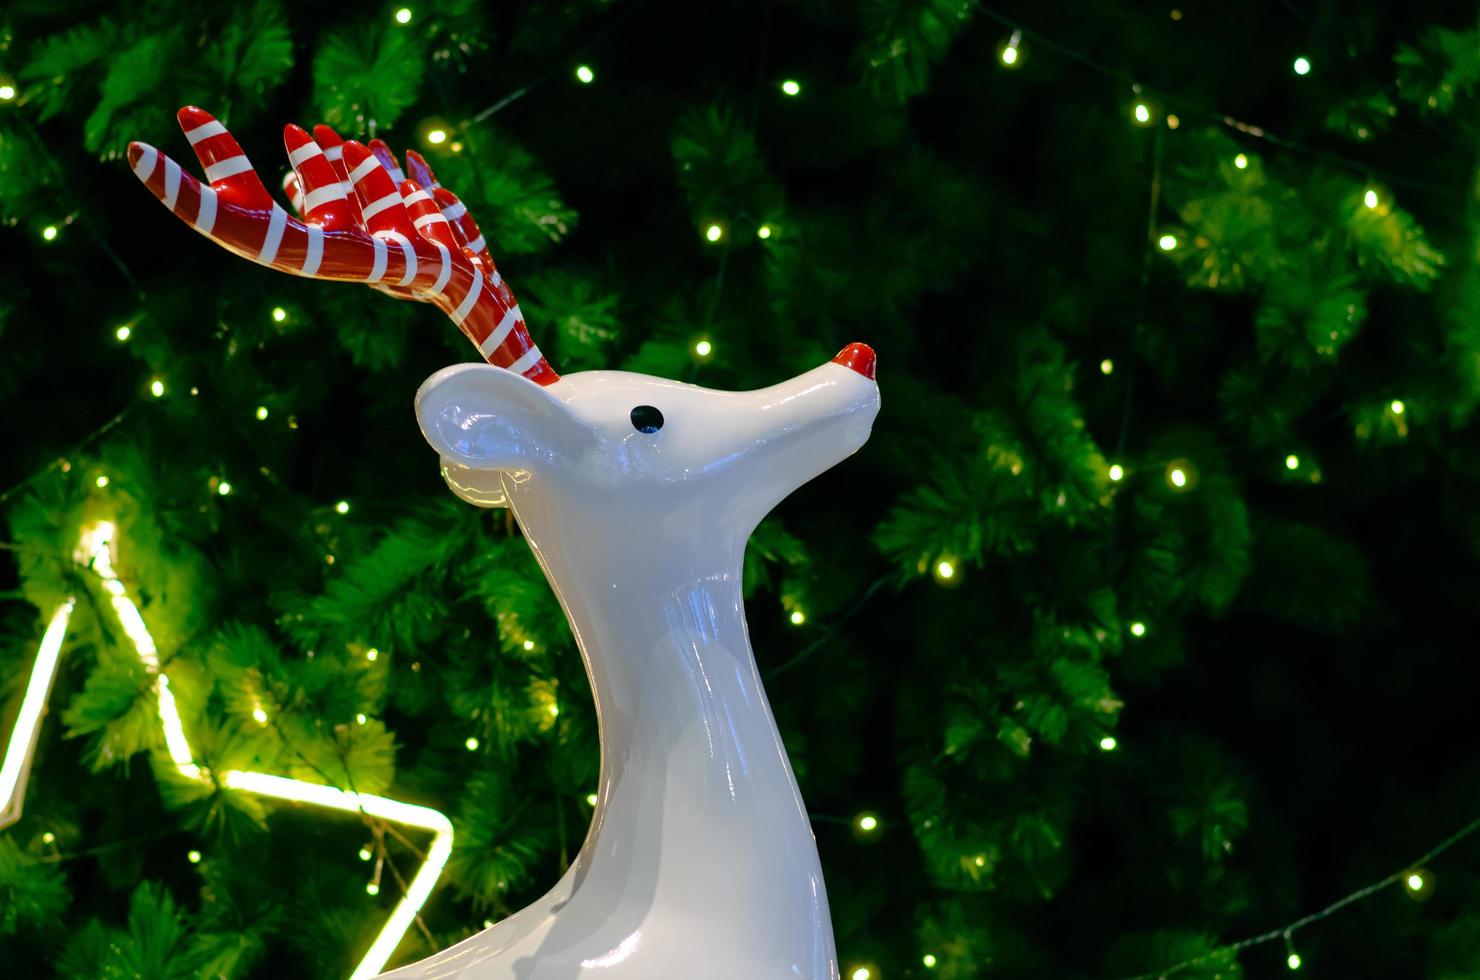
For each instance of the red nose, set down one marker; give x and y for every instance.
(859, 357)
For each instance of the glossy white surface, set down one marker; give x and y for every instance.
(700, 861)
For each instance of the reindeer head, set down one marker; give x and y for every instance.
(512, 431)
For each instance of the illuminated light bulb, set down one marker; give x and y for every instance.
(1010, 53)
(704, 348)
(980, 860)
(259, 715)
(1397, 407)
(371, 654)
(123, 333)
(1108, 744)
(101, 481)
(791, 87)
(714, 233)
(261, 413)
(1142, 113)
(365, 854)
(1173, 121)
(1241, 162)
(193, 857)
(342, 507)
(437, 137)
(1167, 242)
(48, 838)
(798, 617)
(585, 74)
(455, 146)
(403, 16)
(279, 314)
(528, 644)
(1370, 198)
(372, 889)
(1302, 67)
(49, 233)
(1292, 462)
(763, 232)
(7, 92)
(862, 973)
(1107, 366)
(471, 744)
(554, 710)
(1009, 56)
(1414, 882)
(1117, 472)
(488, 923)
(1138, 628)
(590, 799)
(868, 823)
(929, 960)
(361, 718)
(223, 488)
(1293, 960)
(156, 388)
(1178, 476)
(1176, 14)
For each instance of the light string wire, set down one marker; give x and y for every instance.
(1187, 105)
(95, 552)
(1287, 931)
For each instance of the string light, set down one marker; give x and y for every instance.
(259, 715)
(1138, 629)
(528, 644)
(1418, 884)
(372, 655)
(1302, 67)
(1241, 162)
(361, 718)
(554, 710)
(1181, 475)
(365, 853)
(1167, 242)
(703, 348)
(193, 857)
(1293, 961)
(945, 570)
(156, 388)
(867, 823)
(1011, 54)
(101, 481)
(471, 744)
(862, 973)
(1108, 744)
(1142, 113)
(437, 137)
(279, 314)
(1370, 198)
(590, 799)
(1178, 477)
(797, 617)
(1397, 407)
(372, 889)
(763, 232)
(1117, 472)
(49, 233)
(123, 333)
(342, 507)
(223, 488)
(22, 744)
(1107, 366)
(7, 92)
(929, 960)
(48, 838)
(261, 413)
(791, 87)
(714, 233)
(585, 75)
(403, 16)
(1292, 462)
(1173, 120)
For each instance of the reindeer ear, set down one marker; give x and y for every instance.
(488, 418)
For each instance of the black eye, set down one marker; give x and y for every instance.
(646, 418)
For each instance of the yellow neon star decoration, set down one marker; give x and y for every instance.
(95, 551)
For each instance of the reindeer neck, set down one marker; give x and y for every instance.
(700, 830)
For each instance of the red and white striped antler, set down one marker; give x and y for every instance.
(410, 237)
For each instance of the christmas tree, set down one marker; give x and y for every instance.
(1136, 630)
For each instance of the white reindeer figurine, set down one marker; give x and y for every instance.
(637, 495)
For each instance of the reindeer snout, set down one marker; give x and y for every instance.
(858, 357)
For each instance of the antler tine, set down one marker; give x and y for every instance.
(342, 236)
